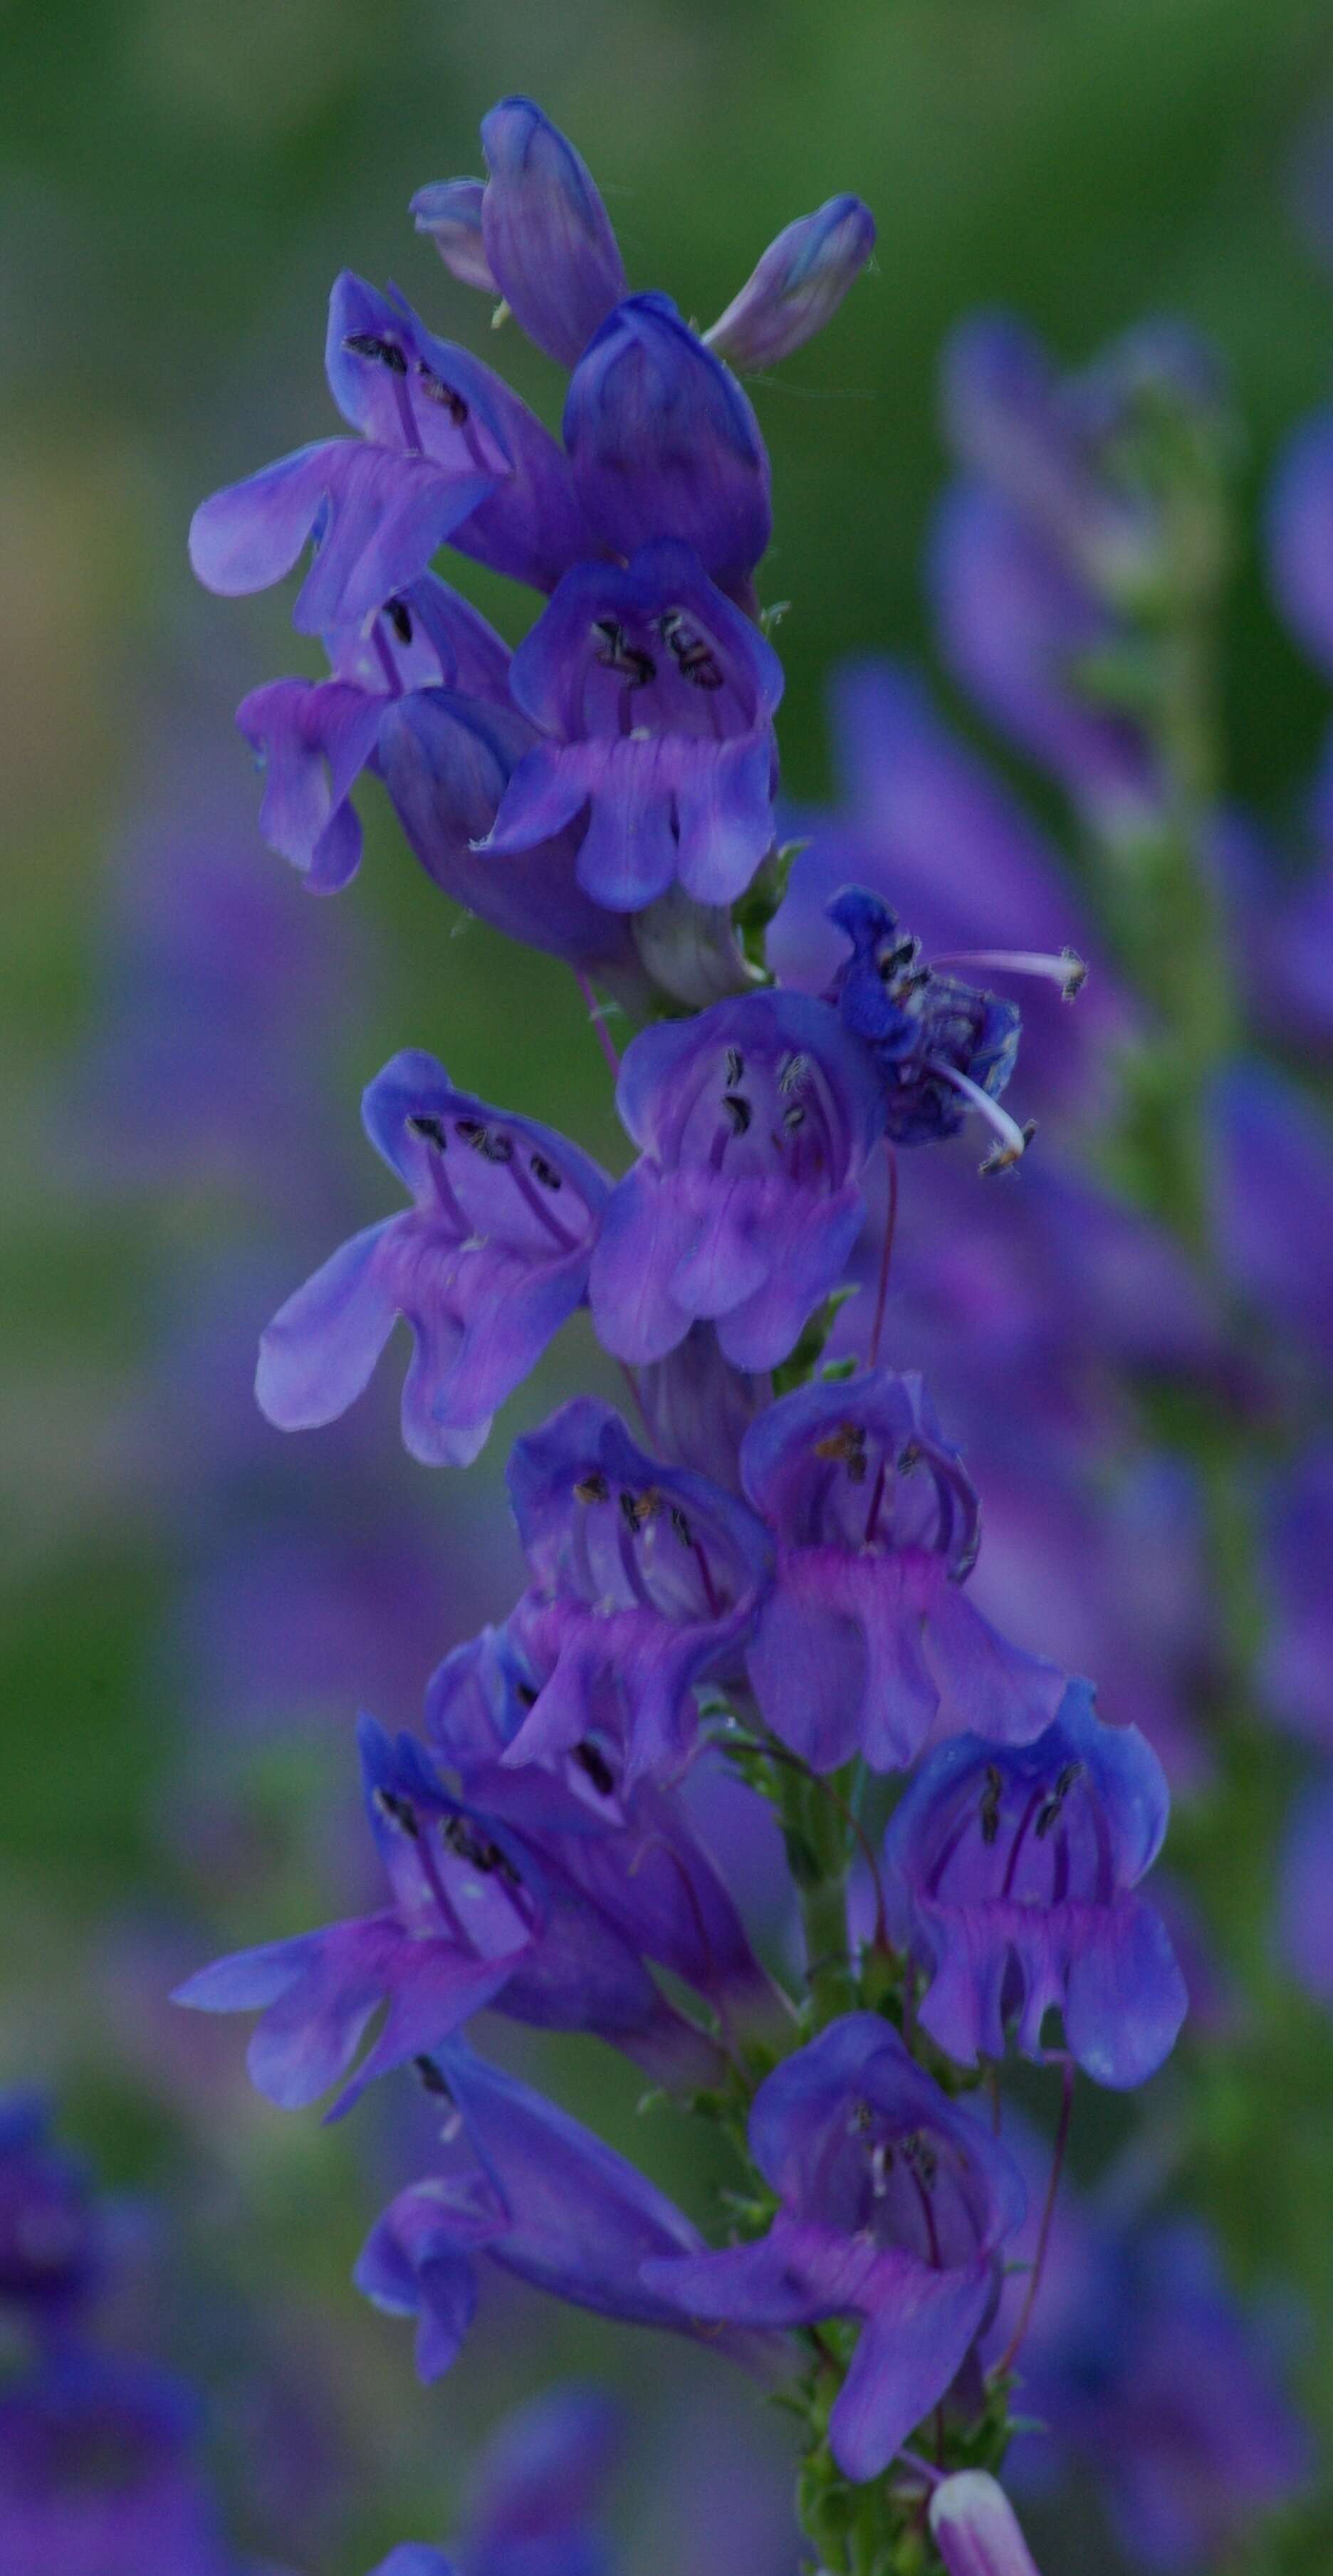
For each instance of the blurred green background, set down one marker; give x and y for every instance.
(180, 183)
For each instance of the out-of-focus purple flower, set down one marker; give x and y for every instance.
(663, 443)
(634, 1853)
(51, 2238)
(866, 1642)
(479, 1915)
(939, 1045)
(524, 2184)
(415, 2558)
(447, 762)
(645, 1582)
(797, 286)
(1011, 1877)
(313, 739)
(1149, 2379)
(894, 2205)
(1300, 536)
(655, 698)
(924, 825)
(538, 2486)
(975, 2528)
(755, 1122)
(98, 2476)
(1272, 1195)
(1305, 1916)
(485, 1268)
(549, 243)
(1295, 1672)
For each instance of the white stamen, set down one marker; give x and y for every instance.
(1068, 970)
(1011, 1140)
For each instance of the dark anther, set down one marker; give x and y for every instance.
(399, 1811)
(738, 1110)
(431, 2078)
(477, 1849)
(492, 1147)
(437, 391)
(793, 1118)
(400, 619)
(647, 1505)
(681, 1526)
(860, 2119)
(546, 1173)
(592, 1488)
(991, 1796)
(368, 344)
(909, 1457)
(431, 1128)
(1050, 1809)
(847, 1443)
(525, 1695)
(694, 659)
(636, 1509)
(735, 1067)
(595, 1764)
(793, 1073)
(618, 654)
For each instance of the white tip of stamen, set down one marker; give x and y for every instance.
(1068, 969)
(1011, 1140)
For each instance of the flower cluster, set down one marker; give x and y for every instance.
(776, 1564)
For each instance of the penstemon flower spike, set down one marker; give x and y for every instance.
(773, 1563)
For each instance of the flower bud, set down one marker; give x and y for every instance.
(797, 286)
(975, 2530)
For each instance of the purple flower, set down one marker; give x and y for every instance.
(634, 1853)
(415, 2558)
(940, 1046)
(98, 2476)
(538, 2485)
(645, 1582)
(698, 1406)
(975, 2529)
(894, 2205)
(866, 1642)
(485, 1268)
(797, 286)
(755, 1123)
(1012, 1874)
(51, 2238)
(535, 2191)
(925, 826)
(479, 1915)
(313, 739)
(663, 443)
(655, 697)
(447, 762)
(1305, 1917)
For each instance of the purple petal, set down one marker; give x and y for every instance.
(1125, 1996)
(724, 816)
(1306, 1876)
(448, 211)
(976, 2530)
(907, 2356)
(643, 1234)
(986, 1686)
(797, 286)
(250, 534)
(320, 1350)
(415, 2558)
(663, 443)
(387, 515)
(549, 242)
(314, 742)
(1300, 537)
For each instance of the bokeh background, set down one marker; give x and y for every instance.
(193, 1609)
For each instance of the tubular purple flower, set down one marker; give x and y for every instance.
(866, 1642)
(313, 739)
(549, 242)
(663, 443)
(1271, 1181)
(1012, 1874)
(98, 2472)
(1296, 1657)
(480, 1915)
(797, 286)
(975, 2528)
(449, 213)
(646, 1580)
(52, 2248)
(1300, 537)
(699, 1407)
(536, 2193)
(415, 2558)
(894, 2205)
(633, 1852)
(484, 1268)
(1304, 1917)
(447, 762)
(755, 1123)
(656, 698)
(941, 1046)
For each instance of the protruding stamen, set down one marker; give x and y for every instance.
(1068, 969)
(1011, 1140)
